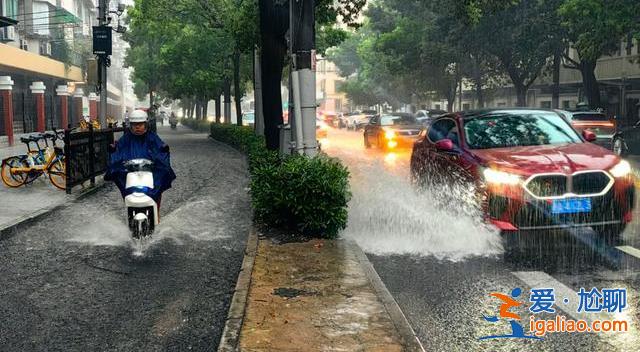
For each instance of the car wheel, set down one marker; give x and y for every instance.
(612, 234)
(619, 146)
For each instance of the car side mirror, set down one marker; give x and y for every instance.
(589, 136)
(445, 145)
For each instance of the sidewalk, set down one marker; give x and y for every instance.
(313, 296)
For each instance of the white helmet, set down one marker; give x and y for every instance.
(138, 116)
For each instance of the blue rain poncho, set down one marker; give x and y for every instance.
(147, 146)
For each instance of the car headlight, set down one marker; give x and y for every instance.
(500, 177)
(621, 170)
(389, 134)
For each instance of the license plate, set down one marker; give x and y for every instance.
(571, 205)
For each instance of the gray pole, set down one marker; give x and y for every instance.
(103, 6)
(302, 29)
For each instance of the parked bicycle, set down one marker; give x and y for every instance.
(23, 169)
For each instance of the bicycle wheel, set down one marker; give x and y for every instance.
(57, 173)
(13, 179)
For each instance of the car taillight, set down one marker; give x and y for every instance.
(610, 123)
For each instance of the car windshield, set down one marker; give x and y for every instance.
(589, 116)
(389, 120)
(512, 129)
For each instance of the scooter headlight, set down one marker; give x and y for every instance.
(622, 169)
(500, 177)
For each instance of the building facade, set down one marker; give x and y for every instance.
(328, 81)
(51, 44)
(618, 76)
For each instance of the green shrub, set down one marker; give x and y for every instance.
(198, 125)
(309, 195)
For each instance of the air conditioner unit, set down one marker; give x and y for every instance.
(8, 34)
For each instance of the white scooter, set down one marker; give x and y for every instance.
(142, 210)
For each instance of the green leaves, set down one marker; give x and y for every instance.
(596, 27)
(304, 194)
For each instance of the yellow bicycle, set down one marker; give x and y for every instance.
(20, 170)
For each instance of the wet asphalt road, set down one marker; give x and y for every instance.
(73, 282)
(441, 268)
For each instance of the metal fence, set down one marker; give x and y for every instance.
(86, 154)
(24, 112)
(51, 112)
(2, 129)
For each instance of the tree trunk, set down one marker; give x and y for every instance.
(477, 79)
(590, 83)
(227, 101)
(451, 95)
(150, 111)
(205, 107)
(521, 93)
(555, 89)
(236, 87)
(217, 100)
(198, 110)
(274, 22)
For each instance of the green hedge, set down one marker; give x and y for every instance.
(309, 195)
(198, 125)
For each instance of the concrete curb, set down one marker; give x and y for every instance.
(231, 333)
(11, 228)
(409, 338)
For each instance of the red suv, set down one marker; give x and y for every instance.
(531, 170)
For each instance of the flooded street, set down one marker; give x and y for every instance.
(440, 264)
(73, 282)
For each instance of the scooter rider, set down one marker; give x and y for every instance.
(140, 143)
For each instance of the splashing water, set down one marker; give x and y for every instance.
(388, 215)
(192, 220)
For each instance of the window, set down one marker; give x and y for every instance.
(566, 104)
(437, 107)
(41, 18)
(466, 106)
(545, 104)
(502, 104)
(10, 8)
(441, 129)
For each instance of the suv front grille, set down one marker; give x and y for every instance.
(590, 183)
(580, 184)
(548, 185)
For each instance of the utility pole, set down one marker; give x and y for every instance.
(103, 62)
(302, 34)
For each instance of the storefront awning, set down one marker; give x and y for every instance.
(6, 22)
